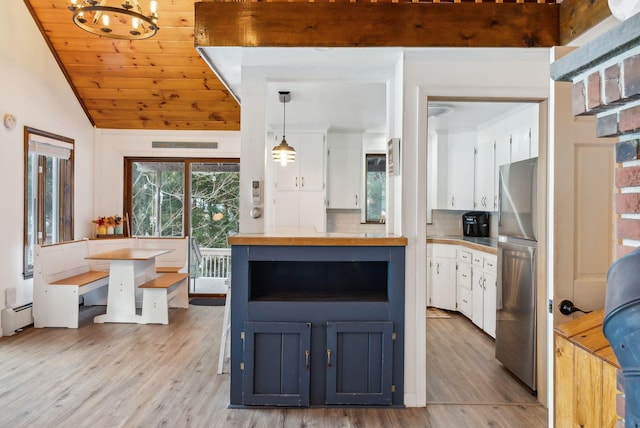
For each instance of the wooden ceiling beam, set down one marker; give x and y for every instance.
(578, 16)
(264, 24)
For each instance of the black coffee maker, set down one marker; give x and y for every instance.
(476, 224)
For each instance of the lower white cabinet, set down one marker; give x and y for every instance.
(484, 292)
(443, 277)
(463, 282)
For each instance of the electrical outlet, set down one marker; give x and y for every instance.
(10, 297)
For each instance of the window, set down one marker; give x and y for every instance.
(376, 185)
(166, 197)
(48, 184)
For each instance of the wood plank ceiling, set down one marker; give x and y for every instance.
(163, 84)
(158, 83)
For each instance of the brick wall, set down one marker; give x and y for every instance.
(611, 91)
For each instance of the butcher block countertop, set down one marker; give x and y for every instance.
(302, 238)
(488, 245)
(586, 333)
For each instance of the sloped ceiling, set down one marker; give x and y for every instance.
(159, 83)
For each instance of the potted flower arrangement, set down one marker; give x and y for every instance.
(108, 225)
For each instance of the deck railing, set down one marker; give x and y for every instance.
(216, 263)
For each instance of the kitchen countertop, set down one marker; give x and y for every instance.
(310, 238)
(489, 245)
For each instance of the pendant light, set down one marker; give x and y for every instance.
(283, 152)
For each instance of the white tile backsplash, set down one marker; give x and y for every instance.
(348, 221)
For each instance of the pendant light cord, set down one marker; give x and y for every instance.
(284, 117)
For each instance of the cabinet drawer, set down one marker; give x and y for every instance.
(478, 259)
(464, 256)
(491, 263)
(464, 275)
(444, 250)
(465, 302)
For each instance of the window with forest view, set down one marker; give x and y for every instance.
(179, 197)
(48, 186)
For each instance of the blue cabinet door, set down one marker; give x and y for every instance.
(276, 363)
(359, 362)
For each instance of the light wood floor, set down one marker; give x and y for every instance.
(467, 386)
(122, 375)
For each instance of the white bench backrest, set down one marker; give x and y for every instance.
(177, 258)
(54, 262)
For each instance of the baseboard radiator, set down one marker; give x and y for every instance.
(14, 319)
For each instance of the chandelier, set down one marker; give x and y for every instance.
(124, 21)
(283, 152)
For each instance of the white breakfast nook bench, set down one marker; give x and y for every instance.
(64, 272)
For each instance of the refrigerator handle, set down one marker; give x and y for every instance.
(498, 208)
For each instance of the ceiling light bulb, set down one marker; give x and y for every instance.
(153, 7)
(135, 22)
(105, 19)
(283, 158)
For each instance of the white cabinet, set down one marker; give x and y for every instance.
(300, 209)
(460, 170)
(463, 282)
(484, 291)
(299, 198)
(344, 170)
(521, 140)
(485, 196)
(308, 170)
(443, 277)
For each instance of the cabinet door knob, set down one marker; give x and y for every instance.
(356, 200)
(306, 358)
(329, 358)
(296, 181)
(302, 180)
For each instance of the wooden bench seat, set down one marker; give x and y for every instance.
(82, 279)
(157, 293)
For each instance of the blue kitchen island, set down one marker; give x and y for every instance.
(317, 320)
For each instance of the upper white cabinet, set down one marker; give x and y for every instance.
(464, 158)
(299, 198)
(485, 192)
(308, 170)
(344, 170)
(460, 167)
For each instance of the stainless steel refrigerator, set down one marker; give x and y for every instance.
(517, 245)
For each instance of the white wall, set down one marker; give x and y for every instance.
(482, 73)
(33, 88)
(113, 145)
